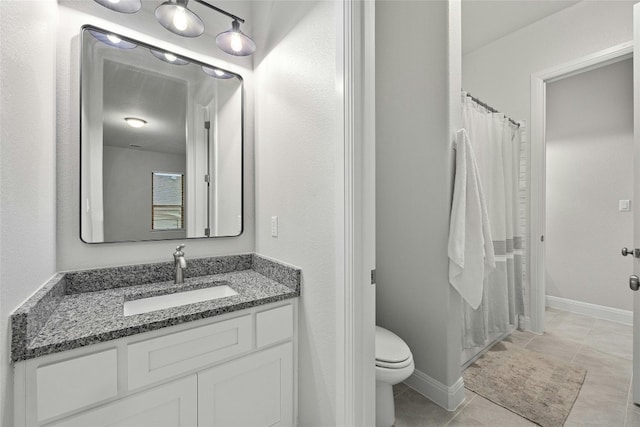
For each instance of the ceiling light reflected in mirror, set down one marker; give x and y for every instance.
(135, 122)
(216, 72)
(169, 57)
(113, 40)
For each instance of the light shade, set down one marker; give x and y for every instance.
(216, 72)
(169, 57)
(175, 17)
(123, 6)
(235, 42)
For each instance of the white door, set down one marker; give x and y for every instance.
(636, 210)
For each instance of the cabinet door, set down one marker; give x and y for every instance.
(169, 405)
(256, 390)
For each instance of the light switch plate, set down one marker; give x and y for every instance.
(624, 205)
(274, 226)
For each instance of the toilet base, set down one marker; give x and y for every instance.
(385, 406)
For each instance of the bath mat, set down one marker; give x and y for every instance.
(537, 387)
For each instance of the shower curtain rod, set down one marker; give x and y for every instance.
(491, 109)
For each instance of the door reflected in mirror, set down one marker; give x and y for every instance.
(161, 144)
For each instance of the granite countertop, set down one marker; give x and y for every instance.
(75, 309)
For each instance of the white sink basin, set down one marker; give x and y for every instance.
(160, 302)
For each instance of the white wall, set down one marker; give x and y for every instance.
(298, 149)
(72, 252)
(27, 164)
(127, 192)
(417, 108)
(500, 72)
(589, 168)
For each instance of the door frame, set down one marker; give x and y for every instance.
(355, 251)
(537, 206)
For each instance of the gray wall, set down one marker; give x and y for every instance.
(589, 164)
(127, 192)
(417, 91)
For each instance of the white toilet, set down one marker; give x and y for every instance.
(394, 364)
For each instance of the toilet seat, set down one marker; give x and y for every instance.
(394, 365)
(391, 349)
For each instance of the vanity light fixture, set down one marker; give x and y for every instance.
(122, 6)
(177, 18)
(135, 122)
(235, 42)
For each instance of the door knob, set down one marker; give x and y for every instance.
(634, 252)
(634, 282)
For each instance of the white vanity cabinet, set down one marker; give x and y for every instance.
(236, 369)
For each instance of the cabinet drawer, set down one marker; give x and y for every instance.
(73, 384)
(274, 325)
(171, 355)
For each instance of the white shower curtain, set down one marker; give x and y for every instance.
(498, 146)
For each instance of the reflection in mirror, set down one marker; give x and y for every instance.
(161, 144)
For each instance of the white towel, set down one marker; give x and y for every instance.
(471, 255)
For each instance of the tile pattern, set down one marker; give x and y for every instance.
(65, 320)
(600, 346)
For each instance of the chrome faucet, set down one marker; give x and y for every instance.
(179, 265)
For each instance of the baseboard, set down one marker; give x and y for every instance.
(594, 310)
(447, 397)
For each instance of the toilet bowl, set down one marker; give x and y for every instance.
(394, 364)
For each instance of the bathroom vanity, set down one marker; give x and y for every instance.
(80, 360)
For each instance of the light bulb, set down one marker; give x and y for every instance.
(114, 39)
(114, 1)
(236, 42)
(219, 72)
(170, 57)
(180, 19)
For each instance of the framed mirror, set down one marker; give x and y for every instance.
(161, 144)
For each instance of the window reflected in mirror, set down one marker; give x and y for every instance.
(167, 210)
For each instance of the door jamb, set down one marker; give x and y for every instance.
(355, 295)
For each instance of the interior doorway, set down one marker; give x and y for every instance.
(538, 209)
(589, 165)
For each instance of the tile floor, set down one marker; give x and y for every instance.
(600, 346)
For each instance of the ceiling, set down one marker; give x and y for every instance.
(484, 21)
(135, 92)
